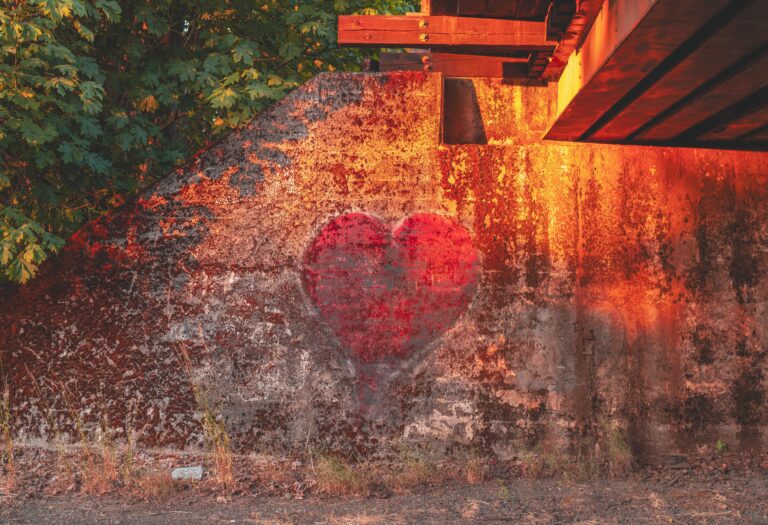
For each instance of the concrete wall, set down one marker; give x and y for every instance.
(337, 279)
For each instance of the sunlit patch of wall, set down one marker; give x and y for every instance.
(612, 283)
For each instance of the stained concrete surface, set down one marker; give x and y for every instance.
(618, 289)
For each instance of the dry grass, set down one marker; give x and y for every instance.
(9, 467)
(619, 461)
(98, 465)
(104, 467)
(215, 434)
(94, 477)
(217, 443)
(128, 453)
(409, 474)
(541, 463)
(101, 466)
(276, 473)
(476, 470)
(533, 464)
(609, 456)
(335, 476)
(64, 478)
(155, 486)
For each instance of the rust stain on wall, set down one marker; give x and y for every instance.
(339, 277)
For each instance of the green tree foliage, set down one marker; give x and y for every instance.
(101, 97)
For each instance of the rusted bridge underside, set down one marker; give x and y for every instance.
(477, 38)
(651, 72)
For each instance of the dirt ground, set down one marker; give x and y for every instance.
(113, 485)
(685, 499)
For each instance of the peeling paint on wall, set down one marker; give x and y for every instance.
(340, 279)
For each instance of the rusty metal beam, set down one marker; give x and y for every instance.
(572, 37)
(744, 78)
(741, 117)
(742, 128)
(559, 17)
(510, 9)
(457, 65)
(629, 43)
(487, 36)
(759, 134)
(692, 61)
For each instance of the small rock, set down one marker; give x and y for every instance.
(187, 473)
(764, 464)
(675, 461)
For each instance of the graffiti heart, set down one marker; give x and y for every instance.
(387, 293)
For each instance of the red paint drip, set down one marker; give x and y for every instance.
(385, 294)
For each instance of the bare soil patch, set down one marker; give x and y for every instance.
(735, 499)
(721, 490)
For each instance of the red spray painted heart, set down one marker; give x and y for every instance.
(385, 294)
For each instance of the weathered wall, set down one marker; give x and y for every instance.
(341, 280)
